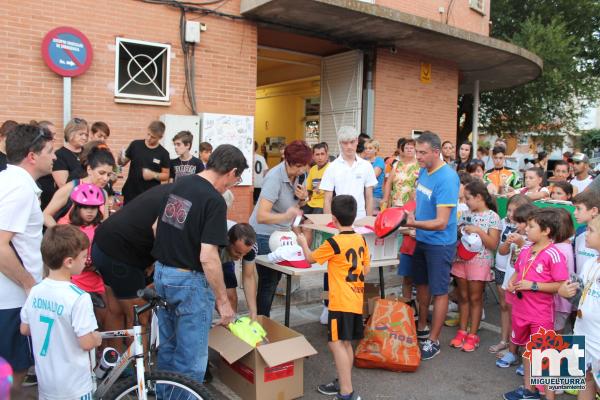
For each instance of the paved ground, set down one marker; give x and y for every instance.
(451, 375)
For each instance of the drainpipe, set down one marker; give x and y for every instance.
(475, 117)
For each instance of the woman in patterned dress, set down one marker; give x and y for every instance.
(400, 185)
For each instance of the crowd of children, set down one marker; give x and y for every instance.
(540, 262)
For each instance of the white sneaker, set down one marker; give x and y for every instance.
(324, 318)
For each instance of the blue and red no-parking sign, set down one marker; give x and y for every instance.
(67, 51)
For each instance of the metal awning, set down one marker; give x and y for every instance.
(495, 63)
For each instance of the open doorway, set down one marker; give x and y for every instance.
(305, 88)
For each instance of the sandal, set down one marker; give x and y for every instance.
(502, 345)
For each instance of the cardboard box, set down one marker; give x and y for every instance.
(380, 249)
(273, 371)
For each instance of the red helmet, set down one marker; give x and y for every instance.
(87, 194)
(391, 219)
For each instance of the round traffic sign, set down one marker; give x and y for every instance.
(67, 51)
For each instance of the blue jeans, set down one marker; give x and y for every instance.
(184, 326)
(268, 280)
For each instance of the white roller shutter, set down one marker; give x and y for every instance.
(341, 94)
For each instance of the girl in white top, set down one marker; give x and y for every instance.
(60, 319)
(588, 316)
(507, 226)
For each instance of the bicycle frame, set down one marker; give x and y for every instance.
(134, 352)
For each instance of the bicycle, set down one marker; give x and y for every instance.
(156, 384)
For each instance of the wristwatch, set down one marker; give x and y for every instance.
(534, 287)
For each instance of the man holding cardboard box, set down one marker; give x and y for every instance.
(435, 223)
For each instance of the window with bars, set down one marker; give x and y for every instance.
(477, 5)
(142, 70)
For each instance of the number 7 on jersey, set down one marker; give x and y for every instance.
(50, 322)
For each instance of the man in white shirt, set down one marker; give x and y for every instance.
(30, 155)
(259, 170)
(349, 174)
(581, 165)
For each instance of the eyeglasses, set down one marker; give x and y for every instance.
(79, 120)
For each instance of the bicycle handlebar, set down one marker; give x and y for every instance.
(153, 299)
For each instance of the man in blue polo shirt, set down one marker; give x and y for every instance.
(435, 223)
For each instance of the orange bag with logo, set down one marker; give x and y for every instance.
(390, 340)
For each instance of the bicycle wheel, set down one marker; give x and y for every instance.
(161, 386)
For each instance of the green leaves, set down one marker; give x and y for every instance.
(566, 35)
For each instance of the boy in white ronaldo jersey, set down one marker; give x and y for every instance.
(60, 319)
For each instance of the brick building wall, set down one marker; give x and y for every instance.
(404, 103)
(456, 12)
(225, 66)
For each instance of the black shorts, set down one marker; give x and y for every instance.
(311, 210)
(344, 326)
(229, 275)
(14, 347)
(499, 276)
(125, 280)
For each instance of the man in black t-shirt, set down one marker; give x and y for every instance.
(149, 162)
(123, 244)
(186, 164)
(191, 227)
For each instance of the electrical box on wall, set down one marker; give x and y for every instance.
(192, 31)
(177, 123)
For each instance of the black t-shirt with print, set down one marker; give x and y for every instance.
(66, 160)
(127, 235)
(141, 157)
(2, 161)
(181, 168)
(194, 213)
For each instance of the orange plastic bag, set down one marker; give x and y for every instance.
(390, 340)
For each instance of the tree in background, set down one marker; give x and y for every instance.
(566, 35)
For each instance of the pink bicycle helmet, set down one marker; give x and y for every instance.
(86, 194)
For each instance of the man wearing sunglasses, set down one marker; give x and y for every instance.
(30, 155)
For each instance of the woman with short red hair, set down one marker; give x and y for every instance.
(283, 193)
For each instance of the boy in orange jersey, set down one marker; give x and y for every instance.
(348, 261)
